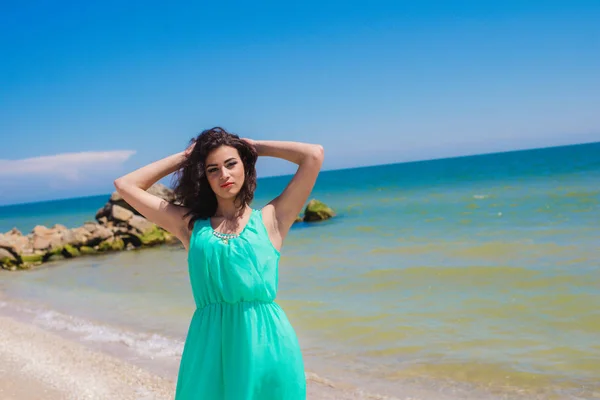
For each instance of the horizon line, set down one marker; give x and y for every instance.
(336, 169)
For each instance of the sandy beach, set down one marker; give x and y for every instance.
(37, 364)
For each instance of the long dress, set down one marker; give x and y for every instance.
(240, 344)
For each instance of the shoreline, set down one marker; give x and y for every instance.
(62, 369)
(69, 349)
(65, 368)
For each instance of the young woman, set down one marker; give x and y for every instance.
(240, 344)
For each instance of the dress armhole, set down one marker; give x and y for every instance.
(266, 232)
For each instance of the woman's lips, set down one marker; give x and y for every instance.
(226, 185)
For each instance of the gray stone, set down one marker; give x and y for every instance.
(115, 197)
(100, 234)
(14, 232)
(91, 227)
(41, 243)
(119, 213)
(104, 211)
(76, 237)
(5, 243)
(60, 228)
(5, 254)
(141, 224)
(41, 230)
(20, 243)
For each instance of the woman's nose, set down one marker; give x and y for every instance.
(224, 173)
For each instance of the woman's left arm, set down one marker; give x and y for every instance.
(285, 208)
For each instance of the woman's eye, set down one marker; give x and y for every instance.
(210, 171)
(231, 164)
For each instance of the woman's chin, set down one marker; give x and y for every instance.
(227, 194)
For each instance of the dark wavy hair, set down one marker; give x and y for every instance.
(191, 188)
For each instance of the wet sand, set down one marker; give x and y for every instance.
(37, 364)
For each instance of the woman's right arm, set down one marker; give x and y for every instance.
(132, 187)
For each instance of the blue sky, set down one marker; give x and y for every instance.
(90, 90)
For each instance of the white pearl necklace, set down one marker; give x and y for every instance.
(225, 237)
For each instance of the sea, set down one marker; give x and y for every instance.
(471, 277)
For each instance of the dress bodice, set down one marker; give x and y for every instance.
(239, 269)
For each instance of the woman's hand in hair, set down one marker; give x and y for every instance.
(189, 149)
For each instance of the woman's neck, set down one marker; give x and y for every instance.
(227, 209)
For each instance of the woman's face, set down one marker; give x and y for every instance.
(225, 171)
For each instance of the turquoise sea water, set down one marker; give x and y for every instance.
(478, 272)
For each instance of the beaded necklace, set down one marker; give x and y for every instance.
(225, 237)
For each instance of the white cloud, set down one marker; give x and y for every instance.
(69, 166)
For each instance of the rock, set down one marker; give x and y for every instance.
(112, 244)
(99, 234)
(6, 255)
(141, 224)
(119, 213)
(151, 237)
(57, 242)
(45, 239)
(53, 255)
(154, 237)
(90, 227)
(85, 250)
(317, 211)
(32, 259)
(8, 245)
(120, 230)
(118, 227)
(41, 243)
(131, 240)
(70, 251)
(76, 237)
(20, 243)
(147, 234)
(7, 259)
(104, 211)
(41, 230)
(14, 232)
(299, 218)
(59, 228)
(115, 197)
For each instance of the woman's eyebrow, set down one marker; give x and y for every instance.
(226, 161)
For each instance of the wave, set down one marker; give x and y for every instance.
(148, 345)
(152, 346)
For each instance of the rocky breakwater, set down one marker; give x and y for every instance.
(117, 227)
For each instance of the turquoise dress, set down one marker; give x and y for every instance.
(240, 344)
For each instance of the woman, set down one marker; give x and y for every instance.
(240, 345)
